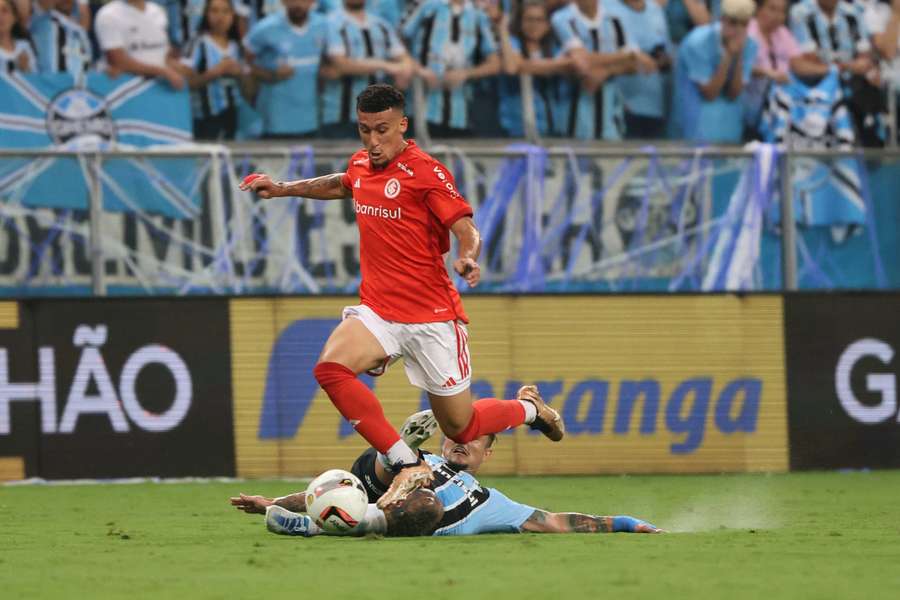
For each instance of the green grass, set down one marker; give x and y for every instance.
(821, 535)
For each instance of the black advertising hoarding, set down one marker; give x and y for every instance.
(119, 388)
(842, 370)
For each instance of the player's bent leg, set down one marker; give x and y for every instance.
(463, 420)
(352, 349)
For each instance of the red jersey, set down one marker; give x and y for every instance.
(404, 213)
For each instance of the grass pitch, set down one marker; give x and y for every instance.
(821, 535)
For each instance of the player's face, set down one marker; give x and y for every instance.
(297, 9)
(772, 14)
(382, 134)
(534, 23)
(467, 456)
(7, 17)
(220, 16)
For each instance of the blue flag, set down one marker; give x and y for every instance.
(99, 113)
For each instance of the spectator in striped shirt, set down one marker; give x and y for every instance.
(215, 72)
(16, 49)
(62, 44)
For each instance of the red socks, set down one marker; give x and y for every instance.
(490, 415)
(358, 404)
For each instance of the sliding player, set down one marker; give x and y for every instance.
(459, 505)
(406, 205)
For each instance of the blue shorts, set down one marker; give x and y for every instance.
(498, 514)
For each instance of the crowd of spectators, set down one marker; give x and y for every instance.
(699, 70)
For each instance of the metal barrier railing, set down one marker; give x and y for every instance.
(551, 203)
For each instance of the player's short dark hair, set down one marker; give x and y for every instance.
(380, 97)
(417, 514)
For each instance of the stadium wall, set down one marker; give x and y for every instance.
(647, 384)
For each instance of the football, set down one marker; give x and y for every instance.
(336, 500)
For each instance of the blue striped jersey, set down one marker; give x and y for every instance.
(446, 36)
(218, 95)
(601, 114)
(9, 61)
(347, 37)
(459, 492)
(838, 40)
(62, 44)
(289, 107)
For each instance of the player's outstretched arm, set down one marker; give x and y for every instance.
(257, 504)
(326, 187)
(542, 521)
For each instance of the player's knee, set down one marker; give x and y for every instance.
(462, 433)
(330, 373)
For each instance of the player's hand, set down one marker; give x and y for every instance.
(284, 72)
(260, 184)
(173, 78)
(468, 269)
(454, 78)
(254, 505)
(229, 67)
(644, 63)
(22, 62)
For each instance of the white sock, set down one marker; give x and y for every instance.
(402, 453)
(530, 411)
(373, 522)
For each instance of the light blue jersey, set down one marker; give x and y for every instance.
(469, 508)
(219, 95)
(591, 115)
(720, 120)
(647, 30)
(446, 36)
(62, 44)
(289, 107)
(347, 37)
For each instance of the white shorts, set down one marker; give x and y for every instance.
(435, 355)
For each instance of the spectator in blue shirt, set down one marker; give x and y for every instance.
(215, 72)
(528, 46)
(644, 94)
(285, 51)
(714, 64)
(599, 49)
(362, 49)
(453, 44)
(62, 45)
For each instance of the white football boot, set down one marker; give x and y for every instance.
(418, 428)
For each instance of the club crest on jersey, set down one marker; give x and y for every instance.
(392, 188)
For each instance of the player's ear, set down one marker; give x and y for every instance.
(404, 124)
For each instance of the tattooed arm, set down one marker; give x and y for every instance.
(542, 521)
(257, 504)
(326, 187)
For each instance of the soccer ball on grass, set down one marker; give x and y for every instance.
(336, 500)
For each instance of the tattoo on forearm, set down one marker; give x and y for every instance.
(538, 517)
(326, 187)
(293, 502)
(579, 523)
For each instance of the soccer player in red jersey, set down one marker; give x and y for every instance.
(406, 205)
